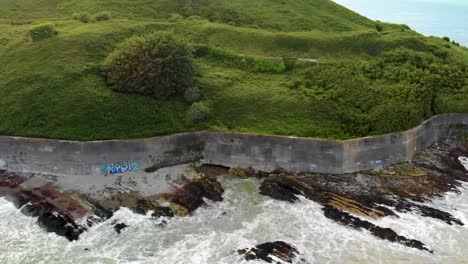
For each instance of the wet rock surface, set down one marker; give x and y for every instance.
(62, 213)
(272, 252)
(119, 227)
(347, 219)
(69, 214)
(350, 199)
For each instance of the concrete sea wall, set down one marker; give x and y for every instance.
(261, 152)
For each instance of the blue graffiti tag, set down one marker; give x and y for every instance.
(121, 167)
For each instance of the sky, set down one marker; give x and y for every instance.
(429, 17)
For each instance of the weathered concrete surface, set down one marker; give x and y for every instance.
(260, 152)
(375, 152)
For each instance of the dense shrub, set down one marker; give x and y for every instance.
(232, 17)
(396, 90)
(83, 17)
(269, 65)
(404, 26)
(157, 64)
(194, 18)
(43, 31)
(102, 16)
(446, 39)
(176, 18)
(289, 62)
(192, 95)
(379, 27)
(198, 112)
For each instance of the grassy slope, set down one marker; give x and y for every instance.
(290, 15)
(53, 88)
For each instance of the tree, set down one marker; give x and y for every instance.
(159, 65)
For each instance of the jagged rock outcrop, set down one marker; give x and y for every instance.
(65, 214)
(383, 233)
(272, 252)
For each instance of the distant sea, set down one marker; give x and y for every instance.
(429, 17)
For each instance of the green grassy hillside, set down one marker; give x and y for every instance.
(367, 81)
(291, 15)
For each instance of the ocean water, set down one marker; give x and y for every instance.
(429, 17)
(244, 219)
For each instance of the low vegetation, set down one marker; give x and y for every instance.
(103, 16)
(82, 17)
(43, 31)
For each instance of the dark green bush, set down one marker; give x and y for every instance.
(194, 18)
(83, 17)
(176, 18)
(446, 39)
(269, 66)
(43, 31)
(103, 16)
(192, 95)
(157, 64)
(404, 26)
(289, 62)
(379, 27)
(232, 17)
(198, 112)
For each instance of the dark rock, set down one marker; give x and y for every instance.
(56, 212)
(383, 233)
(242, 173)
(119, 227)
(10, 180)
(60, 224)
(190, 195)
(162, 212)
(212, 171)
(212, 189)
(269, 251)
(284, 188)
(144, 206)
(405, 206)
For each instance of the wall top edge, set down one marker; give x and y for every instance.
(463, 117)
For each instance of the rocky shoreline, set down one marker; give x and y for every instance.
(69, 214)
(351, 200)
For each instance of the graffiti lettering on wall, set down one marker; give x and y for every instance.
(121, 167)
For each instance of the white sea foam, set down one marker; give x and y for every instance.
(243, 219)
(464, 162)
